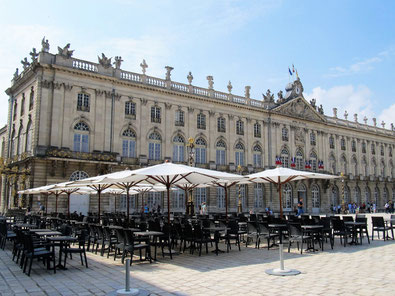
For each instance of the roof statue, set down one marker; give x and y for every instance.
(210, 80)
(16, 74)
(356, 117)
(190, 78)
(230, 87)
(269, 97)
(321, 110)
(44, 45)
(345, 114)
(25, 63)
(280, 97)
(365, 119)
(247, 91)
(104, 61)
(118, 62)
(168, 72)
(313, 103)
(65, 51)
(144, 66)
(33, 54)
(374, 121)
(334, 112)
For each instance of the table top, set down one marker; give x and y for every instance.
(48, 233)
(25, 225)
(312, 226)
(277, 225)
(40, 230)
(354, 223)
(216, 228)
(62, 238)
(148, 233)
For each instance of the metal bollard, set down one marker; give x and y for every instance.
(127, 285)
(127, 290)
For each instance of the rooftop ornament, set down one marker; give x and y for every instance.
(230, 87)
(33, 54)
(143, 66)
(365, 119)
(168, 72)
(65, 51)
(118, 62)
(247, 91)
(345, 114)
(190, 78)
(334, 112)
(44, 45)
(210, 80)
(104, 61)
(25, 63)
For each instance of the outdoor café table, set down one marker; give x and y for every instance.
(314, 230)
(61, 240)
(151, 234)
(216, 231)
(280, 228)
(24, 225)
(48, 233)
(355, 227)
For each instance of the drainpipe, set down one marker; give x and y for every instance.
(112, 118)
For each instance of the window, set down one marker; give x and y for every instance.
(13, 143)
(201, 121)
(220, 198)
(374, 167)
(365, 167)
(23, 104)
(179, 120)
(332, 164)
(155, 114)
(313, 161)
(239, 154)
(15, 110)
(257, 130)
(363, 147)
(128, 143)
(83, 102)
(178, 200)
(367, 194)
(299, 160)
(257, 156)
(29, 137)
(130, 109)
(390, 152)
(331, 142)
(312, 139)
(382, 169)
(220, 158)
(123, 201)
(154, 199)
(242, 193)
(78, 175)
(385, 194)
(81, 137)
(239, 127)
(31, 100)
(357, 195)
(382, 150)
(315, 196)
(258, 195)
(287, 197)
(284, 158)
(373, 148)
(200, 151)
(178, 149)
(221, 122)
(200, 196)
(343, 163)
(335, 196)
(154, 146)
(376, 196)
(284, 134)
(354, 166)
(353, 146)
(20, 141)
(342, 144)
(346, 194)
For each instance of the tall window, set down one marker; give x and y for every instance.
(313, 160)
(287, 197)
(200, 196)
(239, 127)
(154, 199)
(335, 196)
(154, 146)
(178, 200)
(178, 149)
(346, 194)
(390, 151)
(23, 104)
(155, 114)
(29, 132)
(130, 109)
(123, 201)
(382, 169)
(299, 160)
(258, 195)
(385, 194)
(357, 195)
(342, 144)
(382, 150)
(312, 139)
(332, 164)
(13, 144)
(257, 130)
(315, 196)
(363, 147)
(353, 146)
(367, 194)
(285, 158)
(129, 143)
(20, 141)
(242, 192)
(83, 102)
(354, 164)
(15, 110)
(365, 167)
(81, 137)
(31, 100)
(220, 198)
(180, 118)
(284, 133)
(221, 122)
(201, 121)
(373, 148)
(220, 158)
(331, 142)
(239, 154)
(257, 156)
(343, 163)
(376, 196)
(200, 151)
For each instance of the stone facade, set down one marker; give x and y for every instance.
(70, 118)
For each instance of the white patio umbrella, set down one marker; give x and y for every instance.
(39, 190)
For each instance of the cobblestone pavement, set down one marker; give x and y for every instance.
(352, 270)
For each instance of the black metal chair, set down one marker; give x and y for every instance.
(131, 245)
(340, 230)
(296, 234)
(379, 226)
(77, 250)
(363, 228)
(266, 233)
(327, 230)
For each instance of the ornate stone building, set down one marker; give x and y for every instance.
(70, 119)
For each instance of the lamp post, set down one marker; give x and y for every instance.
(343, 205)
(191, 162)
(239, 205)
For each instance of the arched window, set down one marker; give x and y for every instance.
(302, 194)
(313, 160)
(200, 151)
(220, 198)
(200, 196)
(154, 146)
(385, 194)
(284, 133)
(178, 148)
(20, 141)
(312, 139)
(239, 154)
(220, 158)
(374, 167)
(343, 163)
(315, 196)
(129, 143)
(221, 124)
(331, 142)
(29, 132)
(257, 156)
(287, 197)
(342, 144)
(357, 195)
(346, 194)
(354, 166)
(13, 144)
(78, 175)
(178, 200)
(81, 137)
(353, 146)
(367, 194)
(376, 196)
(239, 127)
(335, 196)
(284, 158)
(332, 164)
(299, 159)
(242, 192)
(258, 196)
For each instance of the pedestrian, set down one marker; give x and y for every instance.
(300, 207)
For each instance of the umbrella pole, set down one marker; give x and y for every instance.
(46, 203)
(281, 203)
(127, 201)
(226, 204)
(56, 202)
(68, 204)
(98, 194)
(168, 203)
(115, 203)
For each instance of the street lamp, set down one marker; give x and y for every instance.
(239, 205)
(191, 162)
(343, 205)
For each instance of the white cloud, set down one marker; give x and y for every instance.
(387, 115)
(359, 67)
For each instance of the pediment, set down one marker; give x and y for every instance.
(298, 107)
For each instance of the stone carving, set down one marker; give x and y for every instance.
(44, 45)
(356, 117)
(313, 103)
(299, 135)
(104, 61)
(345, 114)
(334, 112)
(168, 72)
(167, 105)
(210, 80)
(33, 54)
(143, 66)
(191, 110)
(211, 113)
(118, 62)
(190, 78)
(16, 74)
(247, 91)
(298, 108)
(230, 87)
(65, 51)
(392, 127)
(321, 110)
(269, 97)
(280, 97)
(365, 119)
(374, 121)
(25, 63)
(383, 124)
(143, 101)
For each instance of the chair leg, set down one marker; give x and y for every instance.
(30, 266)
(86, 261)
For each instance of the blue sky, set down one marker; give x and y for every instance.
(344, 51)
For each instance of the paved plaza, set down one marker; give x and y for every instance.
(358, 270)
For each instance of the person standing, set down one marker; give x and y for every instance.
(300, 207)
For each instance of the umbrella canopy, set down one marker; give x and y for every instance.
(280, 176)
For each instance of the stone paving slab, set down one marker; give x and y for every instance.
(358, 270)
